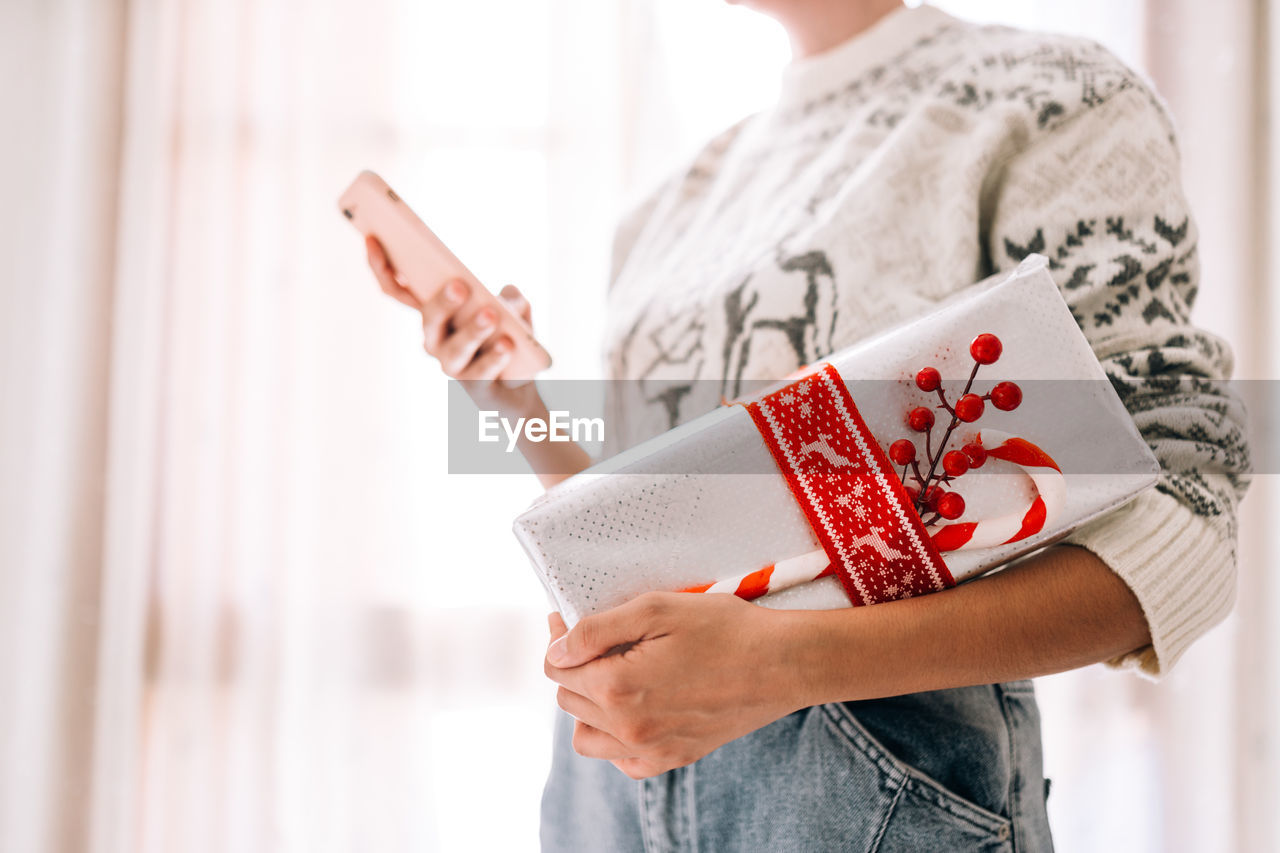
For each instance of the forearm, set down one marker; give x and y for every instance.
(551, 461)
(554, 462)
(1058, 610)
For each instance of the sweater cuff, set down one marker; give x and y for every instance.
(1179, 565)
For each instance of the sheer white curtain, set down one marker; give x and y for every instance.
(242, 605)
(58, 90)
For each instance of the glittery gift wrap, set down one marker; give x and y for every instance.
(706, 501)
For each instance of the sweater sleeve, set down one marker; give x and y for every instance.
(1100, 195)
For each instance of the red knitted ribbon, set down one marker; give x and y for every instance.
(842, 480)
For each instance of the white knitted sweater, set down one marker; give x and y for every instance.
(922, 155)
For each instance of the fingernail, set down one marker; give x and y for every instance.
(558, 652)
(484, 319)
(454, 291)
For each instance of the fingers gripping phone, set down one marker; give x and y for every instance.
(425, 265)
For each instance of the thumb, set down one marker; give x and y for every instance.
(601, 633)
(556, 623)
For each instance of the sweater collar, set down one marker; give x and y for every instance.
(805, 78)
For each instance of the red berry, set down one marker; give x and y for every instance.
(928, 379)
(977, 454)
(951, 506)
(921, 419)
(955, 463)
(1006, 396)
(969, 408)
(986, 348)
(913, 494)
(902, 451)
(931, 497)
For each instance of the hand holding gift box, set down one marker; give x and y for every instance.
(927, 455)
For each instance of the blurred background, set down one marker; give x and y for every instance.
(242, 605)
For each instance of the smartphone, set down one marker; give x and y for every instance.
(424, 264)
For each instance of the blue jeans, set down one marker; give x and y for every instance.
(949, 770)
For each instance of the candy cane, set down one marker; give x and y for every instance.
(1051, 497)
(780, 575)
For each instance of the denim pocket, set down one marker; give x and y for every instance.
(927, 814)
(786, 788)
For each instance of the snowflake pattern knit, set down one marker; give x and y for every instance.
(896, 169)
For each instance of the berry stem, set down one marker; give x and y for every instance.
(934, 460)
(972, 373)
(942, 395)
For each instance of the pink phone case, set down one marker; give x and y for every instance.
(424, 263)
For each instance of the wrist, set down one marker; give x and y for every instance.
(847, 654)
(523, 401)
(820, 655)
(526, 402)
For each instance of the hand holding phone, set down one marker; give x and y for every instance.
(471, 350)
(475, 335)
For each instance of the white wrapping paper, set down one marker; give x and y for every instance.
(706, 501)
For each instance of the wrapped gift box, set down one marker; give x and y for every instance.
(774, 490)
